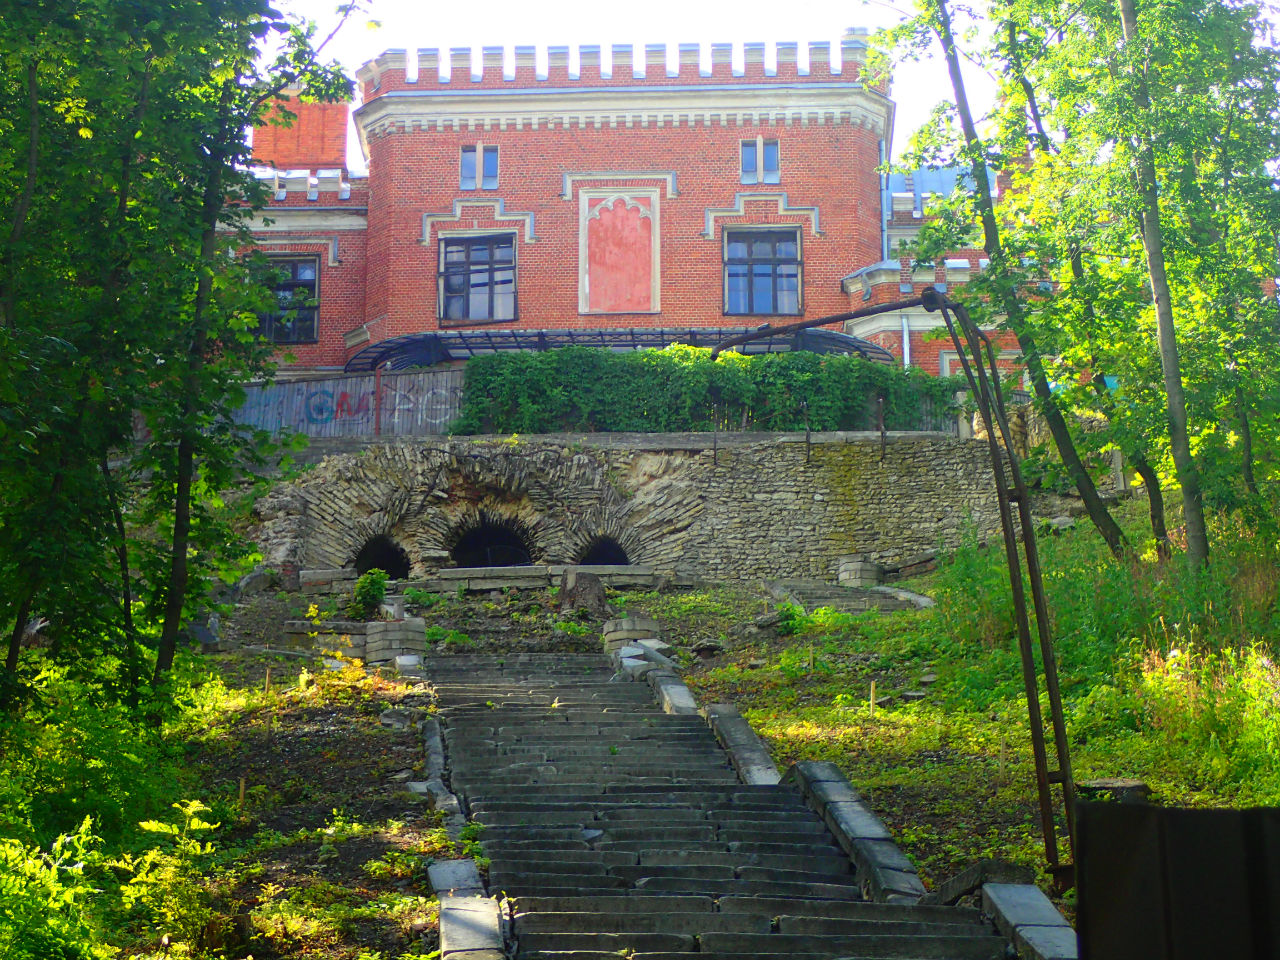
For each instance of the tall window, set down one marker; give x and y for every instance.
(297, 292)
(477, 279)
(760, 161)
(479, 167)
(762, 272)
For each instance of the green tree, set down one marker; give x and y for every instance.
(123, 198)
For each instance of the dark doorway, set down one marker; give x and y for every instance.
(604, 551)
(491, 545)
(385, 554)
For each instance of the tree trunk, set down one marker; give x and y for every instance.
(1153, 248)
(1057, 424)
(211, 203)
(1155, 503)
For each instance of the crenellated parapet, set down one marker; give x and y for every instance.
(616, 65)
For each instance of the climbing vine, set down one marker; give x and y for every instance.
(583, 389)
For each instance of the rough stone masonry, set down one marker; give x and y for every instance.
(767, 509)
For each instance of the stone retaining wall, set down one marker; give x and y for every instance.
(773, 508)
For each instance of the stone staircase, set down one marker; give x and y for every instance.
(616, 829)
(812, 594)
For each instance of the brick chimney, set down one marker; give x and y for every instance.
(316, 139)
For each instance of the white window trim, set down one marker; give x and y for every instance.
(589, 197)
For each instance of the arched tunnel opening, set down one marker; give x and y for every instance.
(491, 545)
(385, 554)
(604, 551)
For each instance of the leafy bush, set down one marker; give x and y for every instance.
(680, 389)
(370, 591)
(42, 896)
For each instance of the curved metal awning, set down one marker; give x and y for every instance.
(428, 349)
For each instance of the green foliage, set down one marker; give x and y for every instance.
(370, 590)
(42, 900)
(448, 636)
(422, 598)
(680, 389)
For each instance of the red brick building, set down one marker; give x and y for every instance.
(586, 196)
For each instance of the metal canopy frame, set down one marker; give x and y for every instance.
(427, 349)
(978, 359)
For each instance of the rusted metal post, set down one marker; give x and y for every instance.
(377, 401)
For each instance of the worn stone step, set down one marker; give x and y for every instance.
(865, 910)
(880, 947)
(517, 884)
(616, 942)
(685, 872)
(630, 904)
(841, 926)
(831, 865)
(636, 922)
(718, 888)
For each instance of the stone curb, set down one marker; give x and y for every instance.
(442, 798)
(746, 752)
(470, 928)
(1026, 916)
(673, 696)
(888, 876)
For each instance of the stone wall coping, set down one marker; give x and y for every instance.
(746, 752)
(888, 876)
(1023, 913)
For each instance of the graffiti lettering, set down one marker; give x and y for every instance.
(412, 404)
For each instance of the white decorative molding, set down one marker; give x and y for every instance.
(627, 198)
(738, 209)
(595, 176)
(311, 220)
(703, 104)
(497, 211)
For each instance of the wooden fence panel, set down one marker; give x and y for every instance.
(421, 403)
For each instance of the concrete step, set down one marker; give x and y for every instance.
(532, 943)
(776, 907)
(631, 904)
(888, 947)
(637, 922)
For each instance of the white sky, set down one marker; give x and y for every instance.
(917, 87)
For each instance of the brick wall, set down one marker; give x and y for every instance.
(384, 281)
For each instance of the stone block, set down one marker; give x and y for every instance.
(631, 628)
(454, 877)
(470, 928)
(854, 819)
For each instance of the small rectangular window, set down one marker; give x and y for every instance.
(749, 164)
(770, 165)
(489, 179)
(479, 168)
(468, 177)
(296, 286)
(760, 161)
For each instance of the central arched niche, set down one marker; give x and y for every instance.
(385, 554)
(492, 542)
(603, 551)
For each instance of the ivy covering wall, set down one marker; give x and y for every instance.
(585, 390)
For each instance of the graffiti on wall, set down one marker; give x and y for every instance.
(396, 405)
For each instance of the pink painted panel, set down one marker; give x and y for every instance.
(620, 256)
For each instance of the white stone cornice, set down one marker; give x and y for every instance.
(696, 104)
(308, 219)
